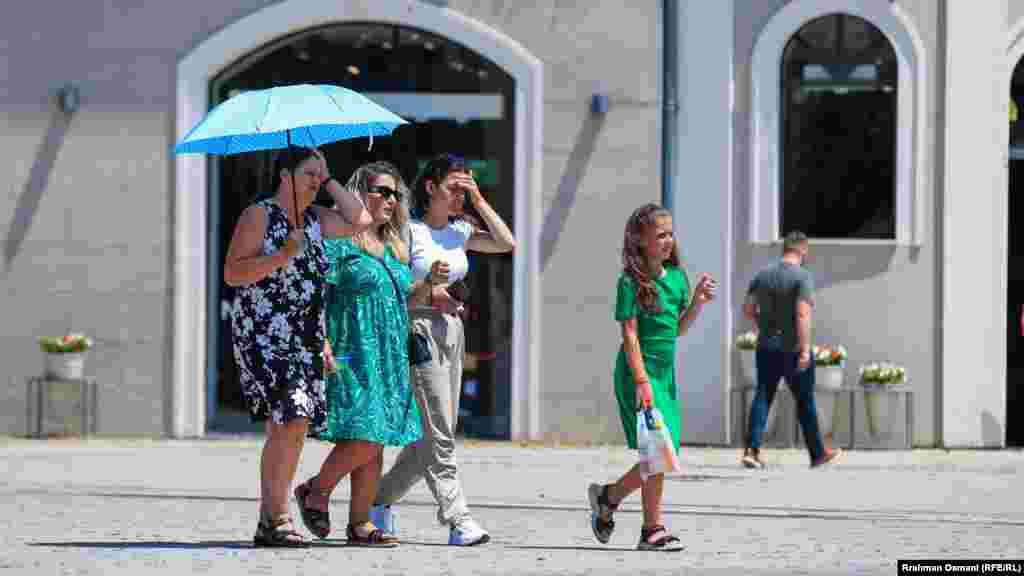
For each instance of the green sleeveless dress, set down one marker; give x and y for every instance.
(657, 333)
(370, 396)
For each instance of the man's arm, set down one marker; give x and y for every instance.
(803, 326)
(804, 306)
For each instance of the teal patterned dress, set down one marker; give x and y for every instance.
(370, 396)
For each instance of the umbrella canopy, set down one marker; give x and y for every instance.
(306, 115)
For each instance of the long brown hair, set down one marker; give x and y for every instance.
(391, 231)
(634, 262)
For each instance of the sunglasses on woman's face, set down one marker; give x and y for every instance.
(385, 192)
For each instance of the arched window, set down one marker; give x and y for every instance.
(838, 131)
(838, 124)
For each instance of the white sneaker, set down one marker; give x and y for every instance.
(466, 532)
(383, 518)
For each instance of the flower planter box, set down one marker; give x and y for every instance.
(61, 407)
(748, 367)
(66, 366)
(828, 377)
(833, 407)
(885, 416)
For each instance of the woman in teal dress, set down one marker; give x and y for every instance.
(655, 307)
(369, 398)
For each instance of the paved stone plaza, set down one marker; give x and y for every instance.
(126, 506)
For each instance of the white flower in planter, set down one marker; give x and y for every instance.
(747, 340)
(882, 373)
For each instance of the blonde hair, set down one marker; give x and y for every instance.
(390, 232)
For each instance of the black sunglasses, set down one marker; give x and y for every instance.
(385, 192)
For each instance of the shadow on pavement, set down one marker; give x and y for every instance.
(573, 548)
(150, 544)
(671, 509)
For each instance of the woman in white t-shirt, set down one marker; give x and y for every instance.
(439, 238)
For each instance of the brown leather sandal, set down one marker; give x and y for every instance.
(375, 538)
(278, 533)
(316, 521)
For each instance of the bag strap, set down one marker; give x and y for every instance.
(394, 283)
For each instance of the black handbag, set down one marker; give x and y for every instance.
(419, 348)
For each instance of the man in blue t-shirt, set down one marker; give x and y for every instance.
(779, 302)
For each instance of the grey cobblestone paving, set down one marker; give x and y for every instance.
(162, 507)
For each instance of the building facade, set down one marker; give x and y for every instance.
(879, 127)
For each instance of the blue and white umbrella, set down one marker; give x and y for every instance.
(308, 115)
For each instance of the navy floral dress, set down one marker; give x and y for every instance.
(278, 328)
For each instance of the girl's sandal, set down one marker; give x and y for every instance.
(278, 533)
(373, 537)
(317, 521)
(658, 538)
(601, 512)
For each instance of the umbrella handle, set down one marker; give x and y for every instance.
(297, 223)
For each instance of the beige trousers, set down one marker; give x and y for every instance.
(437, 386)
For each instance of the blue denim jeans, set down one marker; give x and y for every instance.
(773, 364)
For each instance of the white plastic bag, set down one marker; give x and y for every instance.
(653, 439)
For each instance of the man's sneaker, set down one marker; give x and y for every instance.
(466, 532)
(752, 459)
(601, 512)
(383, 518)
(831, 457)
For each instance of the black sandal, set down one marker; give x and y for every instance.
(376, 538)
(317, 521)
(667, 542)
(278, 533)
(601, 512)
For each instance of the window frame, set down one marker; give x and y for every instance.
(766, 118)
(820, 57)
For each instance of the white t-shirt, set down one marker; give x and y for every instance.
(449, 244)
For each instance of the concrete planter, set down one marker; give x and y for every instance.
(828, 377)
(748, 367)
(67, 366)
(875, 408)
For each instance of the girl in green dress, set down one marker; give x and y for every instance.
(654, 306)
(370, 403)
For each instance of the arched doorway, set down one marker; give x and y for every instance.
(195, 259)
(459, 102)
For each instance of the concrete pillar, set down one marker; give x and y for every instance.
(974, 225)
(702, 206)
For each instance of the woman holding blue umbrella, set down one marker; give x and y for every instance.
(278, 327)
(276, 260)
